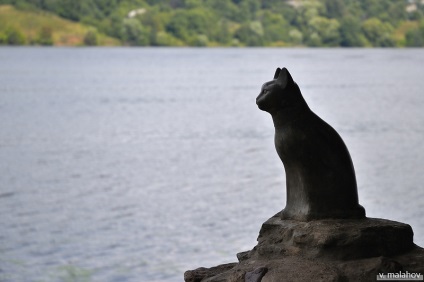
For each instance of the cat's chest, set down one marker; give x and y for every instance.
(291, 139)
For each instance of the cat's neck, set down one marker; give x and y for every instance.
(286, 116)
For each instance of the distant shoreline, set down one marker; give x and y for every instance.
(201, 23)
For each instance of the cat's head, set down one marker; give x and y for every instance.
(280, 93)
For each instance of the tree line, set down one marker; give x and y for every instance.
(314, 23)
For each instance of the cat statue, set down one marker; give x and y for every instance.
(320, 177)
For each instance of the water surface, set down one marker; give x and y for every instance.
(136, 164)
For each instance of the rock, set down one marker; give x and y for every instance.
(243, 256)
(202, 273)
(334, 238)
(255, 275)
(322, 250)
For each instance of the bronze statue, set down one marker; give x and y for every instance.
(321, 184)
(320, 176)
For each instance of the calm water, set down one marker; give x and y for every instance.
(134, 164)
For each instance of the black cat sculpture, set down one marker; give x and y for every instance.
(320, 176)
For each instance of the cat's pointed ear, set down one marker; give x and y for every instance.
(284, 78)
(277, 72)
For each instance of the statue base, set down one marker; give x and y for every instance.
(323, 250)
(333, 238)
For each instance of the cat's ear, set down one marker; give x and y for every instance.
(277, 72)
(284, 78)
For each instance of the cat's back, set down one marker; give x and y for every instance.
(308, 138)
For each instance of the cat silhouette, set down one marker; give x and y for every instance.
(320, 178)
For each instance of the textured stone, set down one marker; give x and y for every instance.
(320, 178)
(243, 256)
(203, 273)
(256, 275)
(324, 250)
(334, 239)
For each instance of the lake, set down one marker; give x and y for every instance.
(136, 164)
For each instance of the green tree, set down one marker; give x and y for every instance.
(200, 40)
(115, 26)
(287, 11)
(415, 15)
(224, 8)
(3, 38)
(373, 8)
(251, 34)
(90, 38)
(166, 39)
(249, 8)
(238, 22)
(106, 7)
(334, 8)
(354, 9)
(45, 36)
(304, 14)
(156, 22)
(378, 33)
(327, 30)
(222, 32)
(188, 24)
(191, 4)
(15, 36)
(351, 33)
(396, 12)
(175, 4)
(296, 37)
(276, 29)
(314, 40)
(70, 9)
(133, 32)
(178, 25)
(415, 37)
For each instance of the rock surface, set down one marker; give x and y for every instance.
(322, 250)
